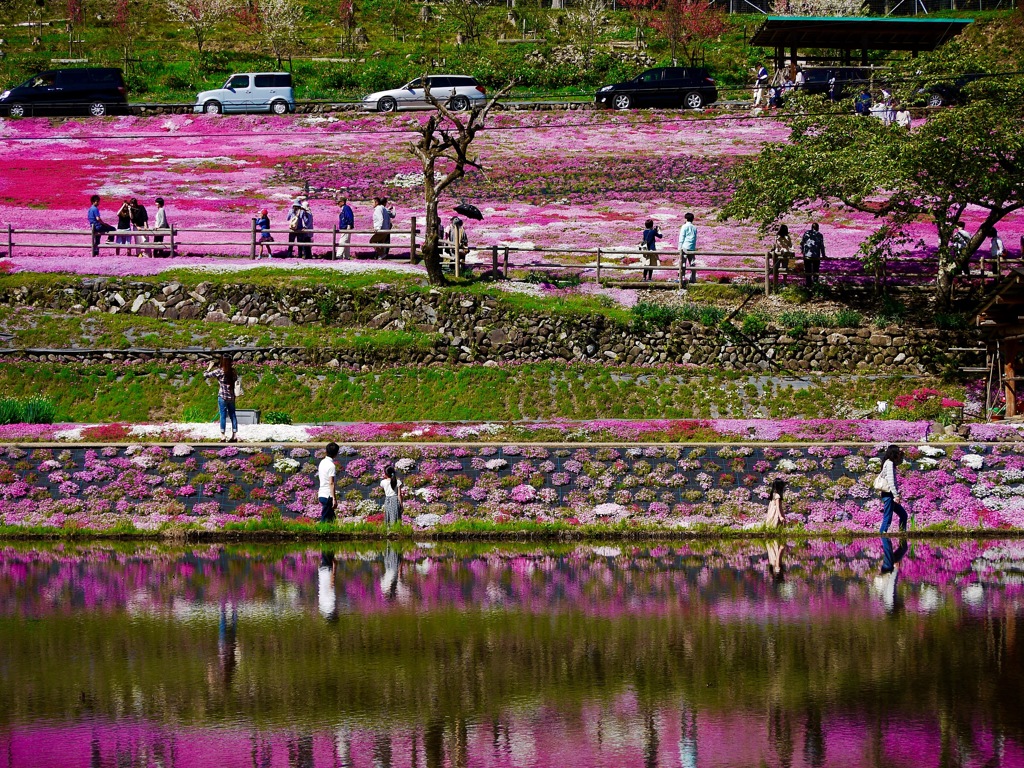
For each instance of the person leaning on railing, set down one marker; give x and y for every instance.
(781, 252)
(97, 225)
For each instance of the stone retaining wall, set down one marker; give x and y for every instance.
(482, 330)
(673, 486)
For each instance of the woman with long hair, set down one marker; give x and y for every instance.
(392, 486)
(775, 517)
(887, 484)
(226, 378)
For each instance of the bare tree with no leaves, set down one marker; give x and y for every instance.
(445, 138)
(198, 15)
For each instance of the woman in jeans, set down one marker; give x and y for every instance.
(226, 378)
(887, 484)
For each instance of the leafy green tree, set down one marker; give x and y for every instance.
(956, 158)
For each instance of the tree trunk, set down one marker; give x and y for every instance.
(431, 249)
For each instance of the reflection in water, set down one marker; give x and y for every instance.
(502, 657)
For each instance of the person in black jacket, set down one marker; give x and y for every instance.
(812, 246)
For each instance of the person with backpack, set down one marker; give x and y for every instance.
(812, 246)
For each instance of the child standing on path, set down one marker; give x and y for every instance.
(775, 517)
(265, 238)
(886, 483)
(651, 236)
(392, 486)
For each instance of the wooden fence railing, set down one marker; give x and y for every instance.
(602, 261)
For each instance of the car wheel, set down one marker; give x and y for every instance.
(459, 104)
(279, 108)
(622, 101)
(97, 109)
(16, 110)
(936, 100)
(387, 104)
(693, 100)
(212, 108)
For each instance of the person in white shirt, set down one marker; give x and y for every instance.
(886, 483)
(998, 250)
(801, 79)
(903, 119)
(383, 216)
(160, 222)
(761, 82)
(328, 494)
(688, 244)
(392, 486)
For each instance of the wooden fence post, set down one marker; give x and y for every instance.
(767, 276)
(505, 265)
(494, 262)
(682, 272)
(334, 242)
(412, 240)
(174, 229)
(458, 254)
(599, 266)
(252, 244)
(10, 241)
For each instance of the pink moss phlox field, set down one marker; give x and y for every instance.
(158, 488)
(573, 180)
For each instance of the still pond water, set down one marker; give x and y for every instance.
(702, 654)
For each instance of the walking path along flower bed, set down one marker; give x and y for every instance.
(162, 488)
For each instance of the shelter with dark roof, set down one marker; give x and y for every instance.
(853, 36)
(1000, 318)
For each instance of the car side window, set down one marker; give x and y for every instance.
(264, 81)
(239, 81)
(651, 77)
(283, 81)
(44, 81)
(417, 83)
(440, 82)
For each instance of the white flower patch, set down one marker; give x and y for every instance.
(367, 507)
(145, 461)
(610, 510)
(787, 465)
(72, 435)
(405, 465)
(284, 464)
(427, 520)
(181, 450)
(478, 429)
(972, 461)
(931, 451)
(496, 464)
(254, 433)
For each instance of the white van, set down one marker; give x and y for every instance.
(250, 92)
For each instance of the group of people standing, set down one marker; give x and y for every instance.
(812, 249)
(132, 218)
(301, 230)
(686, 245)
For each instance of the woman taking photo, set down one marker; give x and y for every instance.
(228, 380)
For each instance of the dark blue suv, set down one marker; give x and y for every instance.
(690, 87)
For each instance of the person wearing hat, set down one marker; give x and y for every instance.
(306, 251)
(346, 223)
(265, 238)
(294, 227)
(160, 223)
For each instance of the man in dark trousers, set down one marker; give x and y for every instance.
(812, 245)
(97, 225)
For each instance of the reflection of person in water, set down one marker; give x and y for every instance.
(390, 584)
(886, 582)
(227, 645)
(776, 569)
(688, 737)
(325, 587)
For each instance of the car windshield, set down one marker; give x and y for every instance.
(417, 83)
(42, 81)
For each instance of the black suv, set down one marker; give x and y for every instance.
(94, 91)
(690, 87)
(946, 94)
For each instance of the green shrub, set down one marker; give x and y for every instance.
(277, 417)
(848, 318)
(198, 414)
(711, 316)
(951, 321)
(796, 323)
(39, 410)
(755, 324)
(891, 313)
(11, 411)
(792, 294)
(647, 315)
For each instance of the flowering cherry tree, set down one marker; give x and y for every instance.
(200, 16)
(688, 25)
